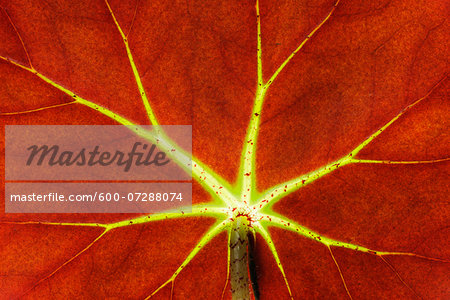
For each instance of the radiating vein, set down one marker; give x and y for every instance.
(379, 131)
(259, 49)
(266, 236)
(394, 162)
(137, 77)
(76, 98)
(340, 273)
(275, 193)
(215, 230)
(279, 191)
(206, 177)
(54, 223)
(212, 182)
(300, 46)
(197, 210)
(290, 225)
(209, 179)
(247, 178)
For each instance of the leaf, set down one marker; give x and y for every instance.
(321, 128)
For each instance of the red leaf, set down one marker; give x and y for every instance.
(322, 128)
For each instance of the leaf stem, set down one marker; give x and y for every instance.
(239, 280)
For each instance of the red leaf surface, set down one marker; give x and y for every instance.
(324, 124)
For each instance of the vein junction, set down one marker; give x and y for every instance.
(232, 204)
